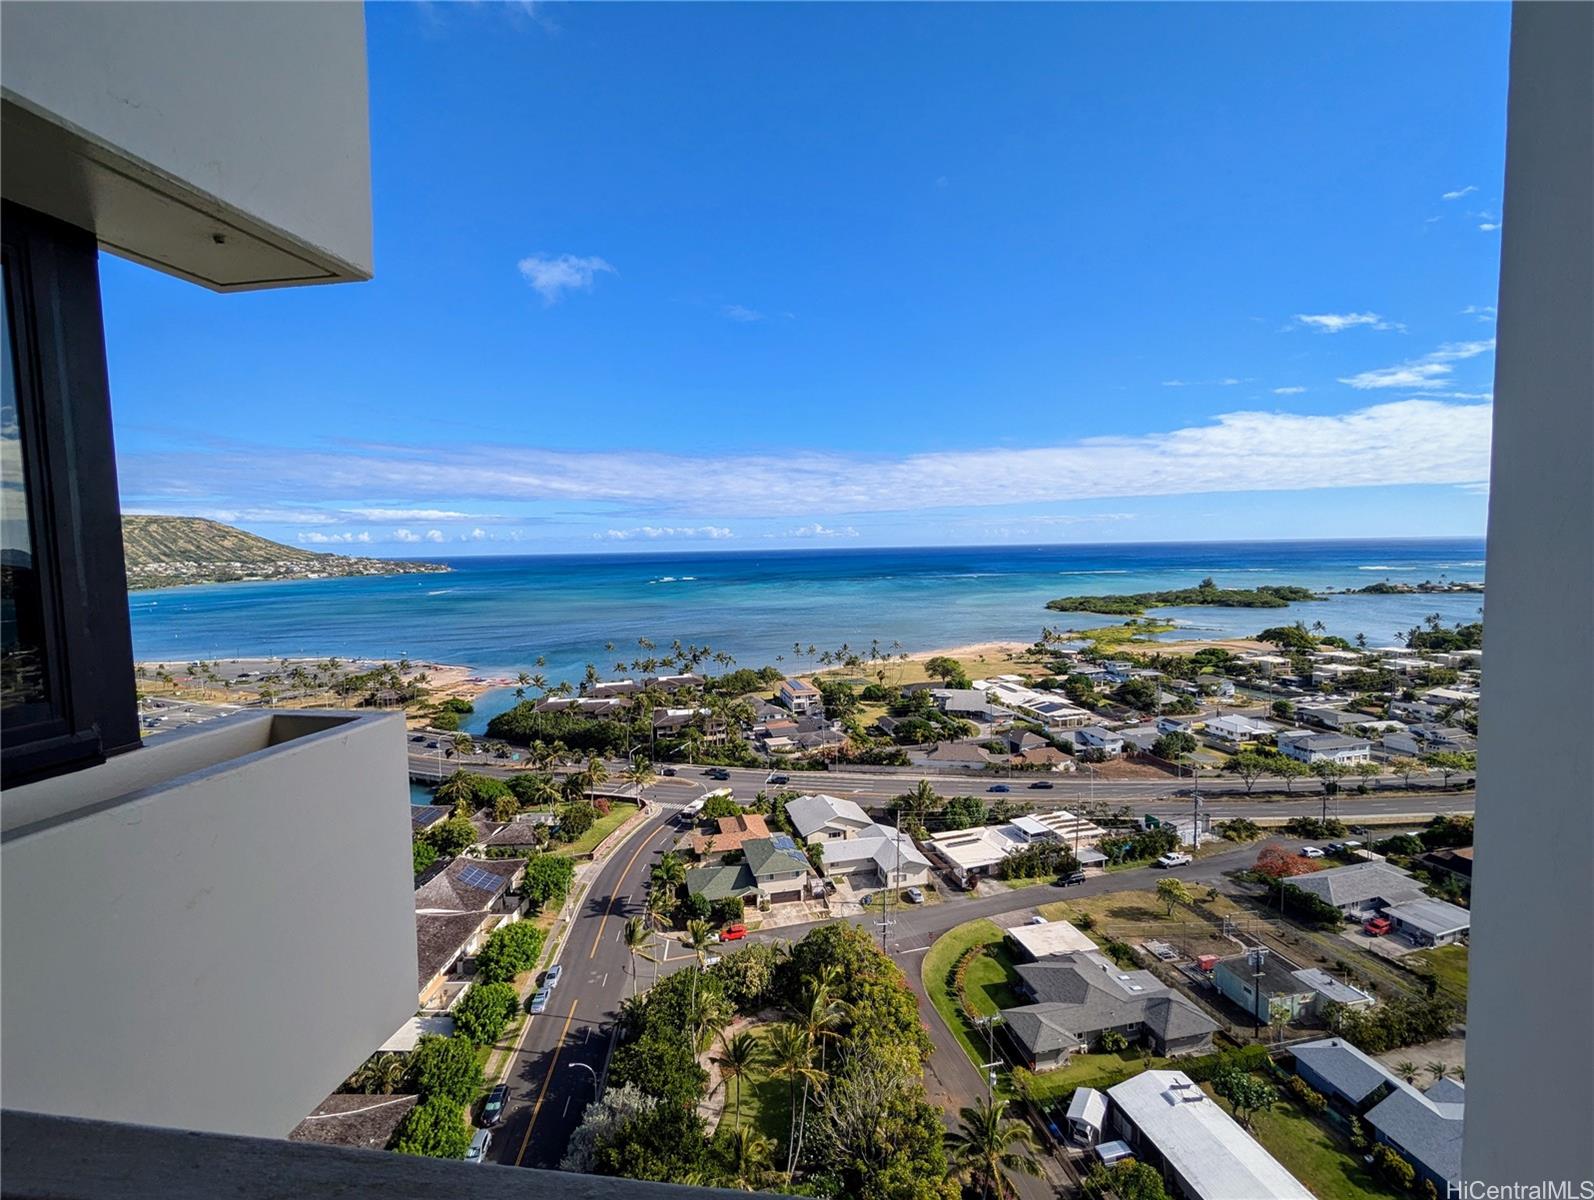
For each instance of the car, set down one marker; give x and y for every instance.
(914, 895)
(1044, 785)
(1377, 926)
(1173, 859)
(1037, 919)
(1311, 852)
(539, 1002)
(998, 787)
(1350, 845)
(669, 771)
(711, 960)
(1333, 848)
(720, 774)
(734, 933)
(420, 737)
(779, 780)
(1360, 830)
(1071, 879)
(478, 1147)
(493, 1106)
(552, 978)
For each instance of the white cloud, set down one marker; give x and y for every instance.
(1340, 322)
(1288, 391)
(1484, 312)
(1431, 371)
(1417, 440)
(405, 535)
(331, 539)
(434, 535)
(655, 532)
(553, 277)
(738, 312)
(1489, 226)
(1229, 381)
(816, 530)
(409, 514)
(1459, 192)
(475, 535)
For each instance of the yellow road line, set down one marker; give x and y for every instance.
(547, 1081)
(646, 842)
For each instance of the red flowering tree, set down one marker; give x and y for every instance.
(1274, 861)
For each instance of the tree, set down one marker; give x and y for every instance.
(453, 835)
(381, 1074)
(791, 1057)
(434, 1128)
(746, 1157)
(547, 879)
(1407, 1070)
(1394, 1169)
(716, 807)
(1287, 769)
(1126, 1179)
(425, 854)
(485, 1011)
(1283, 710)
(1451, 763)
(1330, 772)
(509, 951)
(1438, 1070)
(464, 744)
(739, 1059)
(987, 1150)
(1246, 1094)
(458, 791)
(1404, 767)
(637, 938)
(1175, 745)
(963, 812)
(446, 1067)
(948, 670)
(1249, 766)
(576, 819)
(1172, 891)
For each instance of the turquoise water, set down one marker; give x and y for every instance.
(499, 614)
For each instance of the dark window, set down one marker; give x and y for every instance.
(66, 671)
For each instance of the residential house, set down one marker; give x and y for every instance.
(1281, 987)
(676, 720)
(428, 816)
(1361, 890)
(956, 756)
(1349, 1078)
(1020, 740)
(801, 697)
(1140, 737)
(584, 706)
(1032, 943)
(1048, 757)
(1232, 731)
(354, 1119)
(1326, 717)
(1096, 737)
(1326, 747)
(1269, 665)
(611, 688)
(967, 704)
(471, 885)
(1424, 1128)
(1419, 711)
(1201, 1151)
(876, 856)
(732, 834)
(1060, 714)
(1457, 862)
(821, 818)
(1417, 740)
(772, 868)
(1429, 922)
(1176, 724)
(442, 940)
(1077, 997)
(674, 683)
(970, 854)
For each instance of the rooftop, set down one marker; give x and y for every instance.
(1353, 1073)
(809, 814)
(1201, 1142)
(1426, 1128)
(1053, 938)
(467, 885)
(733, 834)
(1438, 918)
(1360, 882)
(366, 1122)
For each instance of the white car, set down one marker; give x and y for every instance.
(478, 1147)
(1037, 920)
(711, 960)
(1173, 859)
(1311, 852)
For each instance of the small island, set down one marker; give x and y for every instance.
(1207, 592)
(1426, 587)
(172, 551)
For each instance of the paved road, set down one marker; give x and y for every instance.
(548, 1083)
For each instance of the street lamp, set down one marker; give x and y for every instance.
(581, 1066)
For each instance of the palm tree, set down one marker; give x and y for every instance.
(747, 1158)
(637, 937)
(670, 870)
(987, 1149)
(820, 1018)
(1438, 1070)
(791, 1055)
(740, 1057)
(1407, 1070)
(639, 775)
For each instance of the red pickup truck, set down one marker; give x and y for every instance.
(1376, 926)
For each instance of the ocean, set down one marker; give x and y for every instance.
(499, 614)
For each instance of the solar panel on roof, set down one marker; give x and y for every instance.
(477, 877)
(782, 841)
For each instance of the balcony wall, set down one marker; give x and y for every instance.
(212, 931)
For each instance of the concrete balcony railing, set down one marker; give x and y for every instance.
(212, 931)
(66, 1159)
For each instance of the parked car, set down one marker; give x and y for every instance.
(1173, 859)
(711, 960)
(779, 780)
(1045, 785)
(478, 1147)
(1071, 879)
(552, 978)
(493, 1106)
(539, 1002)
(669, 771)
(1360, 830)
(914, 895)
(1037, 919)
(1311, 852)
(998, 787)
(734, 933)
(1377, 926)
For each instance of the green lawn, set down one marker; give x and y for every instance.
(1449, 967)
(1314, 1154)
(601, 828)
(937, 967)
(765, 1104)
(1089, 1070)
(989, 983)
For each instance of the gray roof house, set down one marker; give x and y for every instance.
(1361, 889)
(1283, 985)
(773, 866)
(1343, 1073)
(469, 885)
(1080, 996)
(1429, 922)
(822, 818)
(1424, 1128)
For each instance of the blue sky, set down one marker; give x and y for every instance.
(743, 276)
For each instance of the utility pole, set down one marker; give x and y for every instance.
(989, 1066)
(1257, 956)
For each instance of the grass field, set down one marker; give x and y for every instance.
(1089, 1070)
(1314, 1154)
(937, 967)
(601, 828)
(765, 1103)
(1449, 966)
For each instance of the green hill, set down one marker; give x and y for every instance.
(167, 551)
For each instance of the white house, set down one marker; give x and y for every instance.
(821, 818)
(1326, 747)
(876, 857)
(801, 697)
(1232, 730)
(1096, 737)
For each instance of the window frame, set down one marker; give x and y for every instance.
(63, 404)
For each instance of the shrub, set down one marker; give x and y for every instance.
(1111, 1041)
(447, 721)
(1392, 1168)
(434, 1128)
(547, 879)
(485, 1011)
(696, 907)
(446, 1068)
(716, 807)
(509, 951)
(1309, 1097)
(455, 704)
(575, 819)
(728, 910)
(424, 853)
